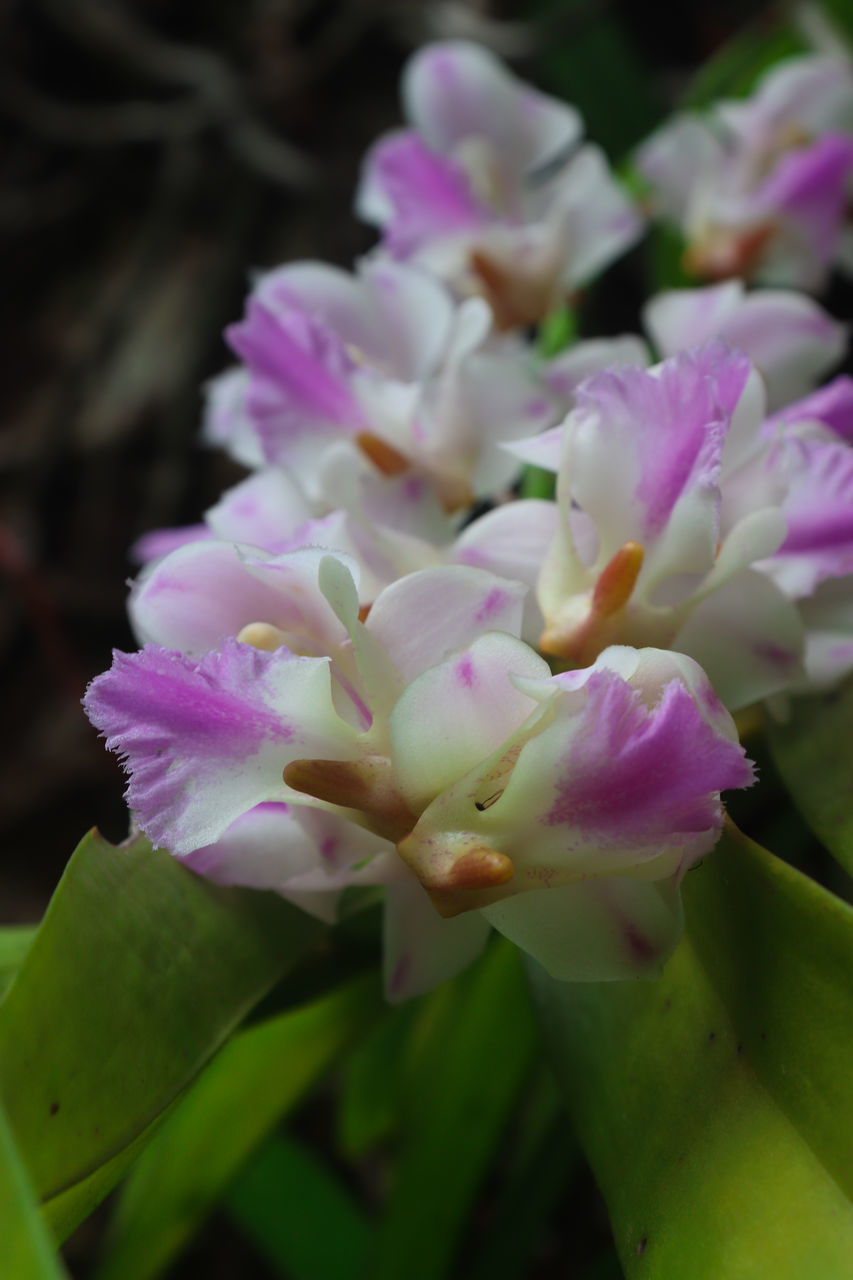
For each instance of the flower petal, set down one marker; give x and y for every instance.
(749, 638)
(457, 90)
(205, 742)
(421, 618)
(458, 712)
(420, 950)
(598, 931)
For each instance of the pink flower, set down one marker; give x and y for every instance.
(490, 188)
(473, 777)
(759, 187)
(385, 361)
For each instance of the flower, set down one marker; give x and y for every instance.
(759, 187)
(386, 362)
(788, 336)
(668, 497)
(386, 726)
(490, 188)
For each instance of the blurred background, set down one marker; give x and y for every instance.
(153, 154)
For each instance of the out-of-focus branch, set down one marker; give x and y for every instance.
(107, 30)
(97, 126)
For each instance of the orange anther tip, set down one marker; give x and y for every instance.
(617, 580)
(480, 869)
(384, 456)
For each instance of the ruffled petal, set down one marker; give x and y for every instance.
(205, 742)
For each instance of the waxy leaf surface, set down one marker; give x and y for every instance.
(138, 973)
(813, 754)
(715, 1104)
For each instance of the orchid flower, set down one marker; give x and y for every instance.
(490, 187)
(389, 725)
(665, 505)
(788, 336)
(385, 361)
(759, 187)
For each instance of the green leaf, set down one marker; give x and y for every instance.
(812, 753)
(539, 1165)
(558, 331)
(715, 1104)
(840, 15)
(536, 482)
(15, 941)
(319, 1234)
(468, 1058)
(138, 973)
(256, 1079)
(370, 1097)
(64, 1213)
(26, 1250)
(739, 64)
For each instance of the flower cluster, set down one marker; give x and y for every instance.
(519, 721)
(760, 187)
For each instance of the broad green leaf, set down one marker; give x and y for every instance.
(233, 1106)
(15, 942)
(370, 1097)
(138, 973)
(468, 1057)
(539, 1165)
(734, 70)
(316, 1234)
(715, 1105)
(26, 1249)
(840, 15)
(814, 755)
(64, 1213)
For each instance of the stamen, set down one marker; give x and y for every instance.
(262, 635)
(617, 580)
(367, 785)
(383, 455)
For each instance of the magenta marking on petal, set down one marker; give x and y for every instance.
(464, 671)
(400, 976)
(329, 849)
(299, 367)
(809, 184)
(364, 712)
(177, 723)
(472, 556)
(429, 194)
(775, 656)
(676, 421)
(536, 408)
(832, 405)
(637, 777)
(494, 602)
